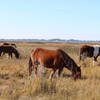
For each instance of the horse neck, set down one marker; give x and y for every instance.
(68, 61)
(71, 65)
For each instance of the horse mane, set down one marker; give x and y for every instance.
(68, 61)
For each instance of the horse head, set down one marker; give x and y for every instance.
(17, 54)
(77, 73)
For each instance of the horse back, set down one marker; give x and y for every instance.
(46, 56)
(87, 50)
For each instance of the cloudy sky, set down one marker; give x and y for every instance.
(47, 19)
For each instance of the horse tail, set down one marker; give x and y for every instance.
(30, 66)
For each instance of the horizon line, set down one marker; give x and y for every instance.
(43, 39)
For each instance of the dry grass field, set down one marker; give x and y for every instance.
(15, 84)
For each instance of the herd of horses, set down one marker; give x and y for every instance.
(57, 60)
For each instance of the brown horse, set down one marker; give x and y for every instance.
(9, 50)
(55, 59)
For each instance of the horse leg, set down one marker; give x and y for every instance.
(30, 71)
(35, 70)
(30, 66)
(0, 53)
(10, 55)
(52, 73)
(59, 71)
(95, 59)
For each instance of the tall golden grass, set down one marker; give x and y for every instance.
(16, 84)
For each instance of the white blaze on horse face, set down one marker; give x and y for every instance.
(96, 50)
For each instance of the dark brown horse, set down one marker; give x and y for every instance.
(89, 51)
(55, 59)
(9, 50)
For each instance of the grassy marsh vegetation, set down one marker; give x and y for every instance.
(15, 84)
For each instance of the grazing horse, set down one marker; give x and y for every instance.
(9, 50)
(55, 59)
(89, 51)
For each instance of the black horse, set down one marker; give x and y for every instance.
(9, 50)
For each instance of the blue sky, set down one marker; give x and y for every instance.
(46, 19)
